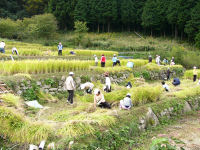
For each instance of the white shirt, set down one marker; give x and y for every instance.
(14, 49)
(108, 82)
(87, 85)
(157, 59)
(69, 83)
(2, 45)
(166, 87)
(96, 59)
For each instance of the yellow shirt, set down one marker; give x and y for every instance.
(195, 72)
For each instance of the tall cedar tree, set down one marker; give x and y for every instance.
(128, 13)
(81, 11)
(193, 26)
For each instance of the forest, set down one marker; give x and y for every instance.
(175, 18)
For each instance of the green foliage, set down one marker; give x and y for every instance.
(197, 39)
(80, 27)
(8, 28)
(31, 93)
(161, 144)
(39, 26)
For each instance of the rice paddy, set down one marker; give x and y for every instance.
(60, 122)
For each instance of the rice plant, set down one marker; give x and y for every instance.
(189, 74)
(19, 130)
(11, 100)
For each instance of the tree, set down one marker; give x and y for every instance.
(193, 25)
(64, 12)
(80, 29)
(81, 11)
(128, 14)
(35, 7)
(150, 15)
(110, 12)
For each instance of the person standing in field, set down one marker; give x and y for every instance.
(60, 48)
(2, 47)
(107, 87)
(158, 60)
(195, 73)
(150, 59)
(168, 73)
(70, 87)
(103, 60)
(114, 60)
(96, 60)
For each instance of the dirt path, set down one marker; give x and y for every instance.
(186, 130)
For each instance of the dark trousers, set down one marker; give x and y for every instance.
(168, 76)
(59, 52)
(194, 78)
(2, 50)
(105, 105)
(103, 64)
(114, 64)
(70, 96)
(107, 89)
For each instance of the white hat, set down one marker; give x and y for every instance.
(96, 91)
(128, 94)
(195, 67)
(71, 73)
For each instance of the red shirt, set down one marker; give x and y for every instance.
(103, 59)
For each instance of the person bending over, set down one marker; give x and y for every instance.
(126, 103)
(165, 86)
(99, 100)
(176, 82)
(88, 86)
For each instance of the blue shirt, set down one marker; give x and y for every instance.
(60, 47)
(114, 59)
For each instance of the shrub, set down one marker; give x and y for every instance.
(8, 28)
(42, 26)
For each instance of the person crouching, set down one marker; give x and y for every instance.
(99, 100)
(126, 103)
(88, 86)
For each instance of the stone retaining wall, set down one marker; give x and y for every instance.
(55, 85)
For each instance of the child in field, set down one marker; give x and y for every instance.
(195, 74)
(99, 100)
(126, 103)
(165, 86)
(128, 85)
